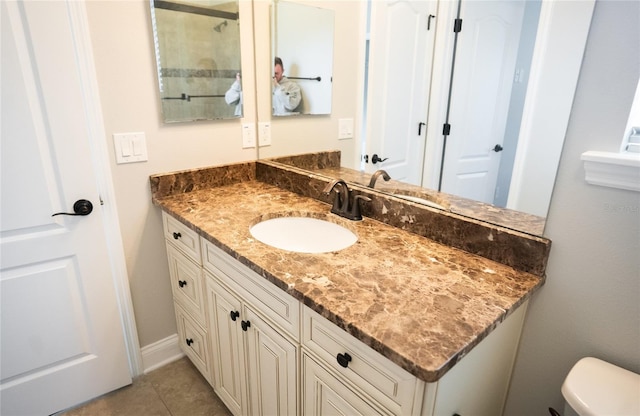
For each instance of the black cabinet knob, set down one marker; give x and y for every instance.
(344, 359)
(497, 148)
(189, 341)
(234, 315)
(176, 236)
(245, 325)
(182, 283)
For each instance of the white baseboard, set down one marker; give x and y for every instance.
(161, 353)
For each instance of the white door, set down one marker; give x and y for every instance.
(401, 52)
(484, 71)
(62, 337)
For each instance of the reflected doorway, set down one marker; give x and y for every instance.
(477, 102)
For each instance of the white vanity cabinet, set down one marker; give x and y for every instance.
(254, 330)
(187, 285)
(265, 353)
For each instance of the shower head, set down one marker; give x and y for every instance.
(218, 28)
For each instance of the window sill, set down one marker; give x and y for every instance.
(615, 170)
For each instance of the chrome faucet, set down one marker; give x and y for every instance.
(377, 174)
(345, 203)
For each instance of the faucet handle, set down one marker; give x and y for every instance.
(336, 208)
(355, 213)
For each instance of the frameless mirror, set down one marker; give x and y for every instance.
(197, 46)
(302, 51)
(526, 147)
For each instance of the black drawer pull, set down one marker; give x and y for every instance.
(182, 283)
(176, 236)
(234, 315)
(189, 341)
(245, 325)
(344, 359)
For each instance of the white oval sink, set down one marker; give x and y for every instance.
(303, 234)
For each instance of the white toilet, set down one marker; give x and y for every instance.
(596, 388)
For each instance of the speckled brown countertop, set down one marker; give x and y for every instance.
(422, 304)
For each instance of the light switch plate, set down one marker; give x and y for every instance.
(248, 135)
(345, 128)
(130, 147)
(264, 134)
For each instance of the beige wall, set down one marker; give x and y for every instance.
(125, 65)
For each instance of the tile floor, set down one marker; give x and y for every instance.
(176, 389)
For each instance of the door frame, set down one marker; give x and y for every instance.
(101, 162)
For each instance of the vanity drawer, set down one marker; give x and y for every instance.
(390, 385)
(280, 307)
(182, 237)
(192, 339)
(186, 283)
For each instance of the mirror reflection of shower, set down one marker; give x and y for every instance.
(197, 47)
(218, 28)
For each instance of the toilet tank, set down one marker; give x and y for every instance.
(597, 388)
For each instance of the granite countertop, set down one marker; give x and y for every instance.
(422, 304)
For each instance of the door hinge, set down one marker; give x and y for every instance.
(457, 25)
(446, 129)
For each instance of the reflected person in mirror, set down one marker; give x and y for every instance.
(233, 96)
(286, 93)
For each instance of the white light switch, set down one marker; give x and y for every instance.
(264, 134)
(248, 135)
(125, 148)
(130, 147)
(345, 128)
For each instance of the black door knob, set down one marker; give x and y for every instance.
(497, 148)
(234, 315)
(189, 341)
(375, 159)
(245, 325)
(80, 207)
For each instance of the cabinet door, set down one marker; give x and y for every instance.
(272, 362)
(227, 345)
(193, 341)
(323, 394)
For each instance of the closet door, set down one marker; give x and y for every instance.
(483, 78)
